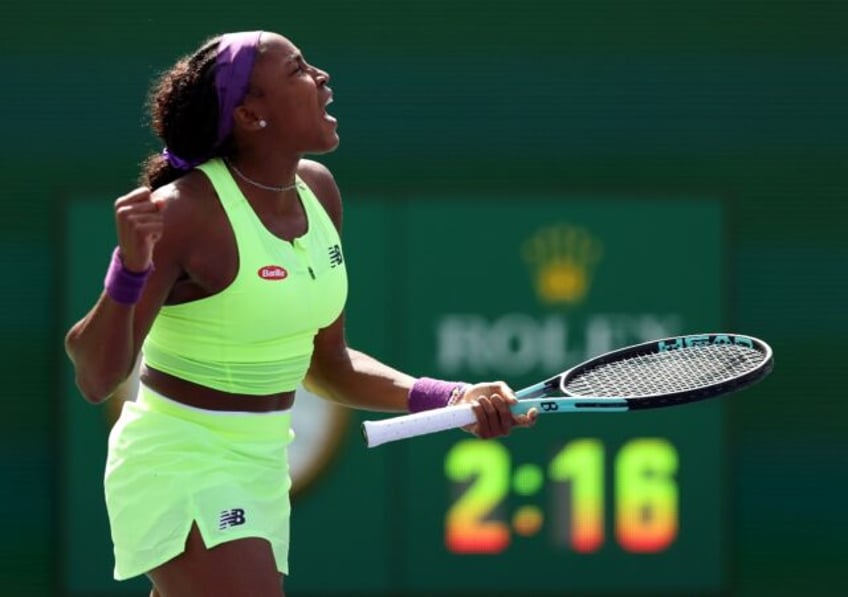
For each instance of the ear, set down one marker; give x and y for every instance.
(247, 119)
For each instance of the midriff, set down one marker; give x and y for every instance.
(192, 394)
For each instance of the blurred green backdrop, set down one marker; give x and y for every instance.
(742, 101)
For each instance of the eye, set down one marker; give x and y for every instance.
(300, 66)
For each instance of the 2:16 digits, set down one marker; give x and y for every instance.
(645, 496)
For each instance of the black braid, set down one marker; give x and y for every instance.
(183, 106)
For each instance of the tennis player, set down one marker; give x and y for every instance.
(229, 279)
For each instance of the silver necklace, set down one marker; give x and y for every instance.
(249, 180)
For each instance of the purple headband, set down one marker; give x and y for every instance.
(236, 55)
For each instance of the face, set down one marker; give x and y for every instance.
(292, 97)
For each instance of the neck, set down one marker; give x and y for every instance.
(265, 169)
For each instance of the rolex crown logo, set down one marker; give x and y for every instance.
(562, 258)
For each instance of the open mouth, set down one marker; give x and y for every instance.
(327, 115)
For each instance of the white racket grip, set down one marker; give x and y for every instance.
(421, 423)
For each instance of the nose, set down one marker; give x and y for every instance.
(321, 76)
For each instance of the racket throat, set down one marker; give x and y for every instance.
(595, 404)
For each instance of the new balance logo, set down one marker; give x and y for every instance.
(230, 518)
(336, 255)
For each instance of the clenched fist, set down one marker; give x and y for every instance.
(138, 219)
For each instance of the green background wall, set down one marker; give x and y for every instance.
(743, 100)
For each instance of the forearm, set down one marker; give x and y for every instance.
(360, 381)
(102, 349)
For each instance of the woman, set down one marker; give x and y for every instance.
(229, 278)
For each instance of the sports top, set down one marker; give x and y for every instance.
(256, 336)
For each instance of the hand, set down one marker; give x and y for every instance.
(138, 219)
(492, 401)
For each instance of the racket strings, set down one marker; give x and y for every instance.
(679, 370)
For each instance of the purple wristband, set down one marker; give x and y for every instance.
(122, 285)
(428, 393)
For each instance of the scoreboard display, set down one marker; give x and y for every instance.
(480, 288)
(644, 507)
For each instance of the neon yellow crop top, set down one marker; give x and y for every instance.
(256, 335)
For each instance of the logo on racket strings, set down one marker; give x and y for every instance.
(703, 340)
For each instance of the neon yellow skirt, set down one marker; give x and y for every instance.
(170, 465)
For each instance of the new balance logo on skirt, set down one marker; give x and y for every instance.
(230, 518)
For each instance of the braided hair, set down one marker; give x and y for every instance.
(183, 105)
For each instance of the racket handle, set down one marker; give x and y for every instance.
(421, 423)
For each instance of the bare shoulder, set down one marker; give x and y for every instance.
(188, 206)
(182, 196)
(319, 178)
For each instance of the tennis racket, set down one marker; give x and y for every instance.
(667, 372)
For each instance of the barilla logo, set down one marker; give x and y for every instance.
(272, 272)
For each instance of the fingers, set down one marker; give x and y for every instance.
(136, 197)
(527, 420)
(494, 417)
(139, 223)
(492, 407)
